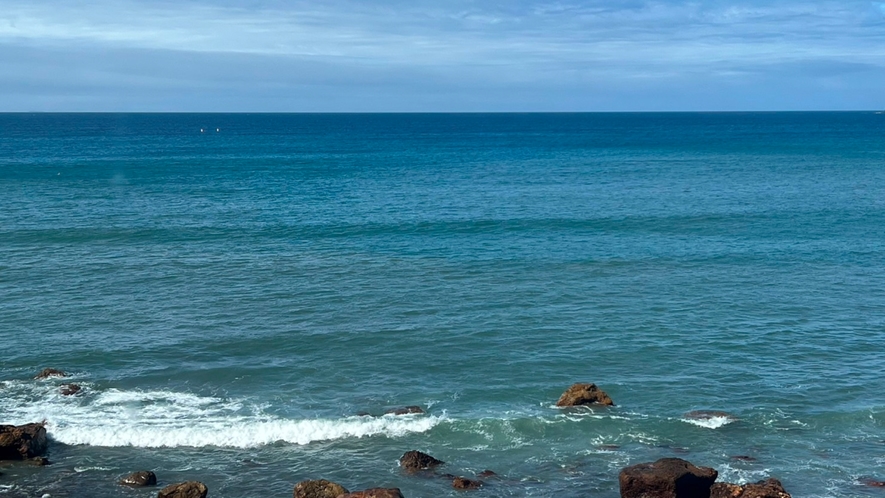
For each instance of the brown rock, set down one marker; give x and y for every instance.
(319, 488)
(462, 483)
(375, 493)
(584, 394)
(50, 372)
(70, 389)
(769, 488)
(189, 489)
(666, 478)
(22, 442)
(406, 410)
(39, 461)
(140, 478)
(487, 473)
(413, 461)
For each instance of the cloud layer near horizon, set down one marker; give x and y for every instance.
(427, 56)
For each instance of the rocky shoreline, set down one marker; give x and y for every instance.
(664, 478)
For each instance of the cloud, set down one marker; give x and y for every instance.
(446, 55)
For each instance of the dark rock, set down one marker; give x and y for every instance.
(189, 489)
(39, 461)
(140, 478)
(363, 414)
(666, 478)
(744, 458)
(609, 447)
(406, 410)
(320, 488)
(708, 414)
(375, 493)
(50, 372)
(70, 389)
(769, 488)
(462, 483)
(413, 461)
(872, 483)
(584, 394)
(485, 474)
(22, 442)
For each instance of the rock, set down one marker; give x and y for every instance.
(666, 478)
(743, 458)
(140, 478)
(363, 414)
(413, 461)
(189, 489)
(872, 483)
(70, 389)
(39, 461)
(769, 488)
(320, 488)
(609, 447)
(462, 483)
(584, 394)
(708, 414)
(406, 410)
(487, 473)
(50, 372)
(375, 493)
(22, 442)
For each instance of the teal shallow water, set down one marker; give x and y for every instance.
(231, 299)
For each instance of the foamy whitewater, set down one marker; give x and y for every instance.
(232, 302)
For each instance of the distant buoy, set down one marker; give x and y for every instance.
(217, 129)
(201, 130)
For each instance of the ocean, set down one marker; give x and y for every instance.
(232, 290)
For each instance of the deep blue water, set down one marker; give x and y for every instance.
(230, 298)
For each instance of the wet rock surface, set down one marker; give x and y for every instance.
(319, 488)
(464, 483)
(22, 442)
(584, 394)
(666, 478)
(769, 488)
(189, 489)
(406, 410)
(50, 372)
(70, 389)
(375, 493)
(140, 478)
(413, 461)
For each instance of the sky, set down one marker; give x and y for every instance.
(441, 56)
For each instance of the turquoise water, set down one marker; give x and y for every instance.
(230, 299)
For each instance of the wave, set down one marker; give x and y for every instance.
(711, 422)
(173, 419)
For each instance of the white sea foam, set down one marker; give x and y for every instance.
(711, 422)
(171, 419)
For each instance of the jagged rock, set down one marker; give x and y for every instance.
(462, 483)
(319, 488)
(666, 478)
(375, 493)
(50, 372)
(70, 389)
(406, 410)
(140, 478)
(189, 489)
(413, 461)
(769, 488)
(22, 442)
(584, 394)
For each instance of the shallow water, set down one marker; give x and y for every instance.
(230, 299)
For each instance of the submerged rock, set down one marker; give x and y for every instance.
(413, 461)
(50, 372)
(70, 389)
(872, 483)
(406, 410)
(666, 478)
(584, 394)
(769, 488)
(22, 442)
(140, 478)
(189, 489)
(375, 493)
(464, 483)
(708, 414)
(487, 473)
(319, 488)
(744, 458)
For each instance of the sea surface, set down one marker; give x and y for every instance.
(231, 290)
